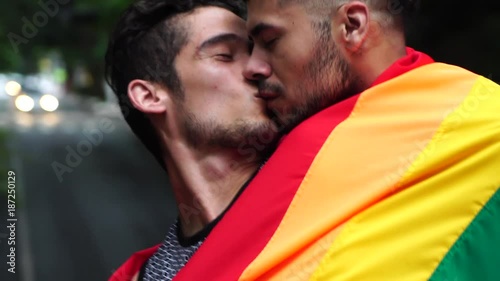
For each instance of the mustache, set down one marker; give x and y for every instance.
(264, 86)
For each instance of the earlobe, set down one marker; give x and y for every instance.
(146, 97)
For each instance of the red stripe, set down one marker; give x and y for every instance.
(248, 226)
(412, 60)
(234, 243)
(132, 266)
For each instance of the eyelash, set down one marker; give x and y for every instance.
(251, 45)
(269, 44)
(226, 57)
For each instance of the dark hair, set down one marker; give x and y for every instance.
(144, 45)
(402, 11)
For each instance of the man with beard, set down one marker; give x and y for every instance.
(390, 169)
(176, 67)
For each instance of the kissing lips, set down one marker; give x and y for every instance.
(267, 95)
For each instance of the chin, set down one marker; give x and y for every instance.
(277, 113)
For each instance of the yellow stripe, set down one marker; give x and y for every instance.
(360, 162)
(406, 236)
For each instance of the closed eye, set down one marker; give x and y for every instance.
(250, 46)
(224, 57)
(270, 43)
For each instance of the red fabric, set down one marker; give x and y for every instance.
(247, 227)
(132, 266)
(233, 243)
(412, 60)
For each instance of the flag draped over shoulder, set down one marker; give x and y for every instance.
(132, 266)
(397, 183)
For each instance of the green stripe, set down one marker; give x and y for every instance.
(476, 254)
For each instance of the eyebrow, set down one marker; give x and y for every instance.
(221, 38)
(259, 28)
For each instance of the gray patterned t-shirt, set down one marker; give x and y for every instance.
(171, 256)
(175, 250)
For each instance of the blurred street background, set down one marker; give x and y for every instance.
(88, 194)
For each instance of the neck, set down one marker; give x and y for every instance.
(374, 61)
(205, 182)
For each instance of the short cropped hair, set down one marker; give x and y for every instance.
(396, 12)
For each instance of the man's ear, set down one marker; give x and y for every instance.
(354, 21)
(147, 97)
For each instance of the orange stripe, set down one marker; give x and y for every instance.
(304, 263)
(409, 233)
(361, 162)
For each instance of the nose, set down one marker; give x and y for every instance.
(257, 68)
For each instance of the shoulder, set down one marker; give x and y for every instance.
(129, 271)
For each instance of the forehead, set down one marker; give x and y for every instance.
(206, 22)
(273, 12)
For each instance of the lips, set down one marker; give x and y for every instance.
(267, 95)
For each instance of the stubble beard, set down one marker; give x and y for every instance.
(328, 79)
(212, 134)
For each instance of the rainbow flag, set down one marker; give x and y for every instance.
(398, 183)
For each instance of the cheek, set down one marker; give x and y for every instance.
(291, 60)
(209, 90)
(215, 88)
(204, 85)
(216, 99)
